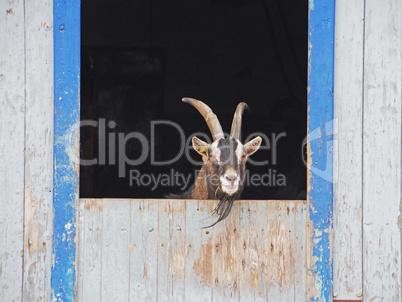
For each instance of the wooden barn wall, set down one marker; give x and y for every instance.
(157, 250)
(367, 194)
(26, 144)
(367, 234)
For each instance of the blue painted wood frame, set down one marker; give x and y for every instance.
(66, 118)
(320, 145)
(66, 25)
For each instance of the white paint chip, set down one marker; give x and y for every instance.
(68, 226)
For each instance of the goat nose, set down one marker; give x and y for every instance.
(231, 177)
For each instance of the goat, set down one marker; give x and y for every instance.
(223, 172)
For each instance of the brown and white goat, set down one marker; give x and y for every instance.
(223, 173)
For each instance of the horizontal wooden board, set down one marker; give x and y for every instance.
(157, 249)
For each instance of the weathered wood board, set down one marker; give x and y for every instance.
(367, 195)
(348, 153)
(26, 144)
(12, 144)
(148, 250)
(38, 220)
(382, 111)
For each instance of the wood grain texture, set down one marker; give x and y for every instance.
(348, 155)
(38, 149)
(115, 251)
(382, 151)
(12, 125)
(157, 250)
(90, 257)
(144, 252)
(196, 212)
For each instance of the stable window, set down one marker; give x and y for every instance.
(139, 58)
(154, 246)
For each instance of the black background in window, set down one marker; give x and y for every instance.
(139, 58)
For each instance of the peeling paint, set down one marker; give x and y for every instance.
(66, 170)
(95, 205)
(33, 237)
(311, 4)
(270, 259)
(319, 149)
(177, 265)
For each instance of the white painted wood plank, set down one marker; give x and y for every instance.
(300, 237)
(257, 251)
(248, 261)
(81, 249)
(172, 250)
(139, 233)
(289, 214)
(273, 288)
(164, 221)
(234, 249)
(143, 247)
(348, 98)
(224, 258)
(348, 149)
(144, 251)
(12, 122)
(115, 250)
(178, 251)
(198, 277)
(281, 255)
(38, 149)
(90, 249)
(382, 151)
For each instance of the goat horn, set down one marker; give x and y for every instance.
(211, 119)
(236, 124)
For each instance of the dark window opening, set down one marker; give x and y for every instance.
(139, 58)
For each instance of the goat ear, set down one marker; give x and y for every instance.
(200, 146)
(252, 146)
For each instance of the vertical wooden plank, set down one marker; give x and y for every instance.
(198, 277)
(249, 261)
(234, 249)
(115, 250)
(38, 149)
(164, 219)
(90, 250)
(139, 233)
(288, 210)
(300, 248)
(81, 248)
(66, 24)
(144, 251)
(224, 258)
(281, 253)
(258, 250)
(172, 251)
(12, 126)
(382, 151)
(178, 251)
(348, 156)
(319, 148)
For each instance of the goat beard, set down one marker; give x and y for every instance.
(223, 208)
